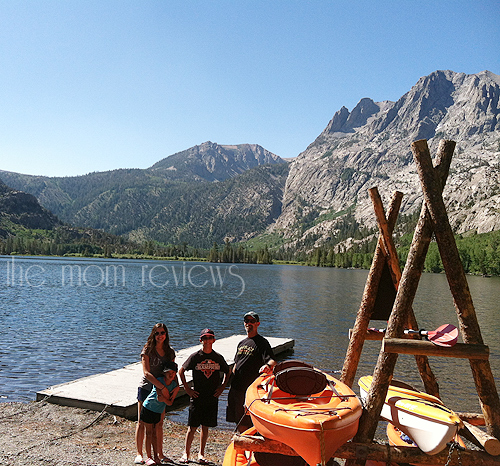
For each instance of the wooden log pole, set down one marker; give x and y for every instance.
(372, 451)
(481, 438)
(365, 311)
(404, 300)
(469, 327)
(424, 368)
(459, 350)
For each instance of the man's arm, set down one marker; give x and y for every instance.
(268, 366)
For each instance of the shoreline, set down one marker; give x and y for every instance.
(35, 433)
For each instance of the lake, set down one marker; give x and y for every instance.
(66, 318)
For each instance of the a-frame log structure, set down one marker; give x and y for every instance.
(433, 220)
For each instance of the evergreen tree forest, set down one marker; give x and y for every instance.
(480, 253)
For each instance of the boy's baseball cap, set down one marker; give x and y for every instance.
(207, 332)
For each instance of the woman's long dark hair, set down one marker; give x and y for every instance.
(150, 345)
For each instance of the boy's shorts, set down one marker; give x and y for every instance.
(203, 412)
(150, 417)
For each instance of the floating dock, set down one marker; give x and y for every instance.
(116, 391)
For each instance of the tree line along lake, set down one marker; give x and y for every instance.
(66, 318)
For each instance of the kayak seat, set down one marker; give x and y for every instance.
(300, 381)
(290, 363)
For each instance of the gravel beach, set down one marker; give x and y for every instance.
(41, 433)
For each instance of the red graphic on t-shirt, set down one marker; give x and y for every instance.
(208, 367)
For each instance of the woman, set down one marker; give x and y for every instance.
(156, 352)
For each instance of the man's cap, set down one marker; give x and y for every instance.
(170, 366)
(252, 314)
(207, 332)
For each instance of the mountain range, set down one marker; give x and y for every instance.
(204, 194)
(215, 192)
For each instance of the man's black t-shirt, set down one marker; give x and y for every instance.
(251, 354)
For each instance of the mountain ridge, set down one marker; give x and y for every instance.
(335, 172)
(310, 197)
(130, 202)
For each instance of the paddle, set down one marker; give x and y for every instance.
(445, 335)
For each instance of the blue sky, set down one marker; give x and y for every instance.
(98, 85)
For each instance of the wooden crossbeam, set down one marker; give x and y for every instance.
(371, 451)
(459, 350)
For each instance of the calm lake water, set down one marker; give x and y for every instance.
(65, 318)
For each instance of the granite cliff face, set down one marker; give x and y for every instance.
(371, 146)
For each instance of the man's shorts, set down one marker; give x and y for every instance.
(235, 411)
(150, 417)
(203, 412)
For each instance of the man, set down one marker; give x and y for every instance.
(253, 356)
(207, 366)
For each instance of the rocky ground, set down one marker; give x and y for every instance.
(47, 434)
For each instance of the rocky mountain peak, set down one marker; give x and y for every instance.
(371, 146)
(210, 161)
(345, 122)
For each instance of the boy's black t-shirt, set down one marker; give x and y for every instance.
(207, 369)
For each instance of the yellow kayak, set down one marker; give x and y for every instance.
(421, 416)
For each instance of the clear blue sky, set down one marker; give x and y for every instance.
(98, 85)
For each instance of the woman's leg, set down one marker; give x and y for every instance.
(139, 430)
(203, 441)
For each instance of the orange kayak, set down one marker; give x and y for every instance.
(314, 424)
(235, 457)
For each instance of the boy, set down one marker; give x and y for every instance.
(152, 409)
(207, 366)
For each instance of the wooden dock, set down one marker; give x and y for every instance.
(116, 391)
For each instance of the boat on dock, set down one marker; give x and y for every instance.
(304, 408)
(420, 416)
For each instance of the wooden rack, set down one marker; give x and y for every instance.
(433, 221)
